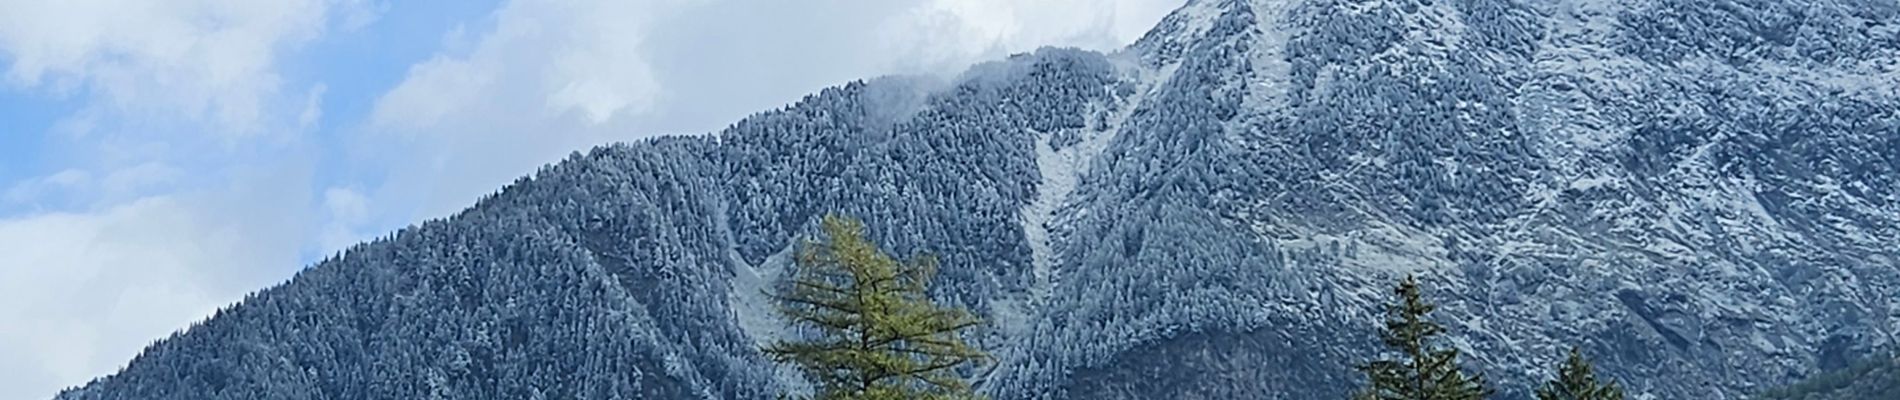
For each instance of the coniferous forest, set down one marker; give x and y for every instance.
(1310, 199)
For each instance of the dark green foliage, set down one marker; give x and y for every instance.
(882, 337)
(1577, 380)
(1875, 378)
(1424, 370)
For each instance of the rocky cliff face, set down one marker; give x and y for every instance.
(1705, 195)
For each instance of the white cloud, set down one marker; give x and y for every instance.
(556, 56)
(205, 61)
(952, 33)
(86, 291)
(75, 185)
(69, 178)
(347, 210)
(60, 291)
(312, 108)
(82, 291)
(345, 205)
(138, 178)
(555, 76)
(35, 188)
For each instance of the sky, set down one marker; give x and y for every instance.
(159, 160)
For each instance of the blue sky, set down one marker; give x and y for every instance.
(158, 161)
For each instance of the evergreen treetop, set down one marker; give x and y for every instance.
(1576, 380)
(880, 336)
(1424, 370)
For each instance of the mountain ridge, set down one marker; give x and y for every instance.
(1702, 195)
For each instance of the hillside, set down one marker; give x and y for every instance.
(1705, 195)
(1874, 378)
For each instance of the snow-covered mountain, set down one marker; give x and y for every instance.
(1704, 194)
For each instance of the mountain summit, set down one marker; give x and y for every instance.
(1704, 195)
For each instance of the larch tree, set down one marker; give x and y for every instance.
(878, 334)
(1576, 380)
(1423, 370)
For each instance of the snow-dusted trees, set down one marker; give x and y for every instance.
(1424, 368)
(1577, 380)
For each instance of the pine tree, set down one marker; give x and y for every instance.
(881, 336)
(1424, 370)
(1576, 381)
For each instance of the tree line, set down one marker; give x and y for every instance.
(873, 333)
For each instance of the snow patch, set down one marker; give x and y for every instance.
(1061, 170)
(751, 306)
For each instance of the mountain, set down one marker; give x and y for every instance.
(1704, 195)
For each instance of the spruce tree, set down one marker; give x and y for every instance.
(1424, 370)
(1576, 381)
(880, 336)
